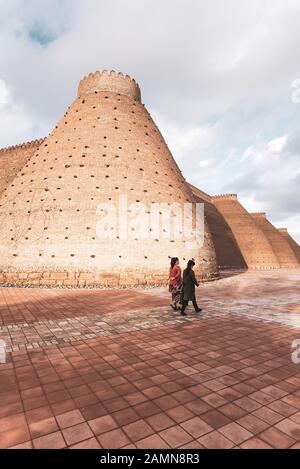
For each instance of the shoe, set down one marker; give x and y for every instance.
(198, 310)
(173, 307)
(183, 313)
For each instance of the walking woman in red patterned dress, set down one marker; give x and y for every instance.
(175, 283)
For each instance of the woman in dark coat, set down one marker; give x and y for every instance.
(189, 282)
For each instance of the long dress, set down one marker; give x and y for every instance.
(175, 283)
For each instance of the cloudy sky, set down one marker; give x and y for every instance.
(220, 77)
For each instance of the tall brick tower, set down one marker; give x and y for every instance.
(280, 245)
(254, 245)
(104, 147)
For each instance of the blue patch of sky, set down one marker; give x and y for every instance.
(39, 34)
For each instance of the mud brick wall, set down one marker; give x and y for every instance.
(228, 253)
(106, 145)
(284, 252)
(295, 246)
(13, 159)
(254, 246)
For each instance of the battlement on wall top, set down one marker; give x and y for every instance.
(33, 143)
(224, 197)
(259, 214)
(115, 82)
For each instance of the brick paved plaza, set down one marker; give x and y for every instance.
(106, 368)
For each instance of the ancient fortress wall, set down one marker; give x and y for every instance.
(13, 159)
(284, 253)
(253, 244)
(227, 251)
(295, 246)
(105, 146)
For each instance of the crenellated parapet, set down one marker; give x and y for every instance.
(225, 197)
(258, 214)
(26, 145)
(115, 82)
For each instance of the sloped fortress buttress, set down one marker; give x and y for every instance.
(254, 246)
(104, 147)
(284, 252)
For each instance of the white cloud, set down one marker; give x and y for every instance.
(217, 76)
(17, 125)
(4, 94)
(271, 181)
(184, 141)
(277, 144)
(292, 223)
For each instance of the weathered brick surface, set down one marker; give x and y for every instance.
(295, 247)
(254, 246)
(106, 145)
(284, 253)
(227, 251)
(13, 159)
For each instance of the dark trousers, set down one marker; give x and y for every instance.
(186, 302)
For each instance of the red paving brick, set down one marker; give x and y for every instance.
(14, 436)
(282, 408)
(51, 441)
(138, 430)
(234, 432)
(196, 427)
(125, 416)
(114, 439)
(179, 414)
(11, 422)
(69, 419)
(276, 438)
(77, 433)
(43, 427)
(215, 440)
(187, 383)
(215, 419)
(146, 409)
(36, 415)
(152, 442)
(25, 445)
(255, 443)
(102, 424)
(296, 417)
(268, 415)
(232, 411)
(252, 423)
(289, 427)
(91, 443)
(160, 422)
(176, 436)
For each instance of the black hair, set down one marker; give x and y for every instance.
(190, 264)
(173, 261)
